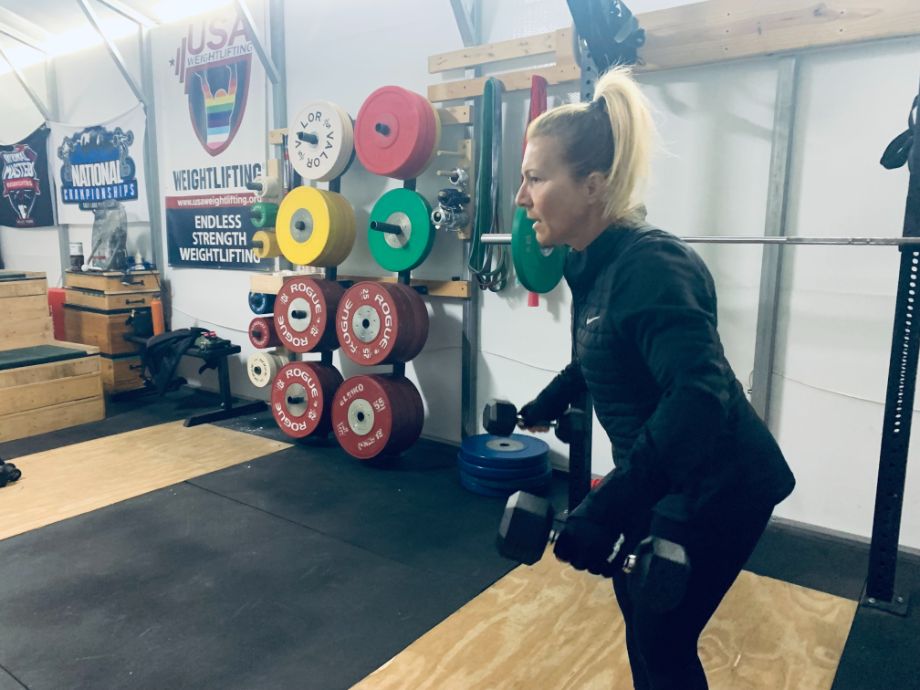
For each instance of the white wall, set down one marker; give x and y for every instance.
(22, 249)
(838, 303)
(90, 89)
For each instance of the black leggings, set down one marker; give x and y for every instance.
(662, 647)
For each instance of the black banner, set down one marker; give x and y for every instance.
(212, 231)
(27, 199)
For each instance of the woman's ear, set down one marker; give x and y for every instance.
(596, 187)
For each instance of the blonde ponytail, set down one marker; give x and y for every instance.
(613, 135)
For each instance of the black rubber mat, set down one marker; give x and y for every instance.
(881, 652)
(182, 588)
(413, 511)
(822, 562)
(8, 682)
(37, 354)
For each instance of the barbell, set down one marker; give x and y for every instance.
(505, 238)
(539, 269)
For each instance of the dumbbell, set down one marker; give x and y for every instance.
(9, 473)
(528, 524)
(499, 417)
(658, 569)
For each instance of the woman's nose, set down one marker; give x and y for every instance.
(521, 198)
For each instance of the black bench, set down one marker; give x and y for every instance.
(219, 354)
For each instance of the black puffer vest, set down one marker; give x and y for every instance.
(644, 328)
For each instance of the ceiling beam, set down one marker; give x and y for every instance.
(113, 49)
(467, 21)
(266, 60)
(129, 12)
(26, 32)
(39, 103)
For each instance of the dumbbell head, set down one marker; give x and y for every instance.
(570, 423)
(9, 473)
(659, 571)
(499, 417)
(525, 528)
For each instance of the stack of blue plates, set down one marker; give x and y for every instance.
(500, 465)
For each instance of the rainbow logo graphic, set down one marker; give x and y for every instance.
(214, 62)
(219, 105)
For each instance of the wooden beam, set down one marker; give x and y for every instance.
(271, 283)
(473, 56)
(721, 30)
(697, 34)
(513, 81)
(456, 115)
(565, 46)
(454, 289)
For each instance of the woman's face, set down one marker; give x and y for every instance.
(558, 204)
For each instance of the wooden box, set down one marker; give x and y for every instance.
(121, 373)
(105, 330)
(109, 301)
(113, 281)
(45, 397)
(24, 318)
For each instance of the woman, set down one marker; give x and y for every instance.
(693, 462)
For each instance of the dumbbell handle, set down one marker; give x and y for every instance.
(559, 523)
(552, 424)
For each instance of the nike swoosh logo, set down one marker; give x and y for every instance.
(591, 320)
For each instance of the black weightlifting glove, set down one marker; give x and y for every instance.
(555, 398)
(588, 545)
(536, 413)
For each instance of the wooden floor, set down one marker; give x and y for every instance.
(552, 627)
(72, 480)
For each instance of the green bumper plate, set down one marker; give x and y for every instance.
(263, 214)
(411, 212)
(538, 269)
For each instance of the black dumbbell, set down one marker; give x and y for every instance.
(658, 569)
(528, 524)
(500, 417)
(453, 198)
(9, 473)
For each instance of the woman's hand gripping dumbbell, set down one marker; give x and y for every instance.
(658, 568)
(500, 417)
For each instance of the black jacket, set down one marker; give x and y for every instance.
(647, 349)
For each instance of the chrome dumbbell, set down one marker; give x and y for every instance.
(457, 177)
(450, 213)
